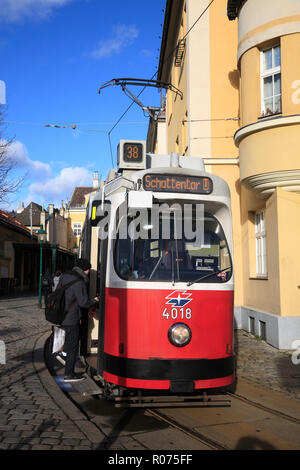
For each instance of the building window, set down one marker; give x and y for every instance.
(77, 230)
(271, 81)
(260, 244)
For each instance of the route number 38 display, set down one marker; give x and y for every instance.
(133, 152)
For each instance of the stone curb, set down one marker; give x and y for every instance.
(92, 433)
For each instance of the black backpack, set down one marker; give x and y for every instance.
(46, 281)
(55, 309)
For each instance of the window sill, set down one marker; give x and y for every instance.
(269, 116)
(259, 277)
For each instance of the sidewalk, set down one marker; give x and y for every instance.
(29, 416)
(34, 414)
(265, 366)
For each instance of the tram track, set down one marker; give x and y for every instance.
(209, 441)
(214, 428)
(265, 408)
(213, 445)
(202, 436)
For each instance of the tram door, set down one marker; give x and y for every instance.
(89, 323)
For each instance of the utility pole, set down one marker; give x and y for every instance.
(30, 212)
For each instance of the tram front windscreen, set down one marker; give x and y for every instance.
(171, 256)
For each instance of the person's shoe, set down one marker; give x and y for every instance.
(61, 358)
(74, 378)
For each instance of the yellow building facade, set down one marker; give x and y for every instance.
(236, 64)
(76, 216)
(76, 212)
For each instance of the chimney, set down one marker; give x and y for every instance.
(20, 208)
(51, 209)
(95, 180)
(43, 219)
(62, 209)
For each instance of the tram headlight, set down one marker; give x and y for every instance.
(179, 334)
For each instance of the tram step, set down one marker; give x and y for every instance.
(85, 387)
(174, 401)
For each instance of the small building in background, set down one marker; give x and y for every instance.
(77, 210)
(21, 262)
(19, 255)
(20, 249)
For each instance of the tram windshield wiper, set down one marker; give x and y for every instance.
(156, 266)
(173, 267)
(208, 275)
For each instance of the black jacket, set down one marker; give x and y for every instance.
(47, 282)
(76, 296)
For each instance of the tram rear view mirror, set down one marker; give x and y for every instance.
(99, 211)
(140, 200)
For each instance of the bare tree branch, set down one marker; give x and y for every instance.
(8, 184)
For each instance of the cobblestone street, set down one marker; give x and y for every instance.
(265, 366)
(31, 419)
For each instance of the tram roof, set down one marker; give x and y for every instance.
(162, 165)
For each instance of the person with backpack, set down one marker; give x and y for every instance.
(76, 298)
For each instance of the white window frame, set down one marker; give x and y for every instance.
(260, 244)
(76, 229)
(271, 72)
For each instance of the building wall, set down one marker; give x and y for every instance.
(161, 142)
(269, 168)
(77, 215)
(177, 107)
(74, 216)
(290, 46)
(212, 80)
(270, 147)
(289, 255)
(259, 22)
(260, 293)
(290, 75)
(7, 238)
(198, 80)
(57, 230)
(18, 266)
(224, 82)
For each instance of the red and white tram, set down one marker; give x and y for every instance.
(159, 239)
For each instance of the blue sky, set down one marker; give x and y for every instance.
(54, 56)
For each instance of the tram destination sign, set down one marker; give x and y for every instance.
(178, 184)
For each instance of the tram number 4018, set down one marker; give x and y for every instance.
(178, 313)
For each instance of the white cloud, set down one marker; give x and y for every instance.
(15, 10)
(121, 37)
(61, 186)
(2, 89)
(43, 186)
(18, 154)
